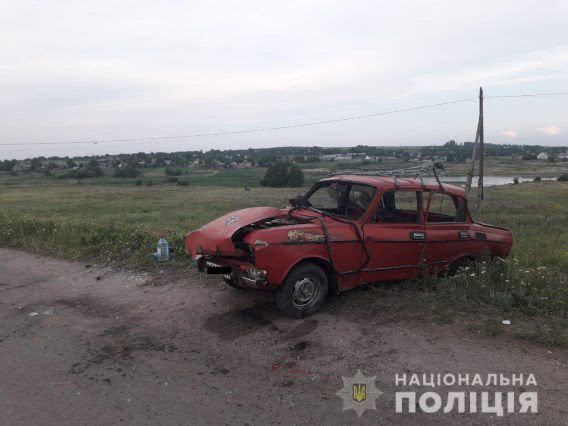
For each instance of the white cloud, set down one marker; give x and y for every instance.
(550, 130)
(141, 69)
(541, 65)
(509, 133)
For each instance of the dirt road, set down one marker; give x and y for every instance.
(86, 344)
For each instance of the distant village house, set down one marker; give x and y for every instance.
(542, 156)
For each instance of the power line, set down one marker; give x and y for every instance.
(529, 95)
(261, 129)
(291, 126)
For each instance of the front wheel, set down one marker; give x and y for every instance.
(303, 292)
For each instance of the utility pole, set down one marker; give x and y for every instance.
(478, 152)
(473, 160)
(481, 149)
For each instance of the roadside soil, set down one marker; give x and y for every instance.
(86, 344)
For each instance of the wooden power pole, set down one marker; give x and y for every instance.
(481, 149)
(478, 153)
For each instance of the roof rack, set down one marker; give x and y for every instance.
(428, 168)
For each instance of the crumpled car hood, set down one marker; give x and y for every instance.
(215, 238)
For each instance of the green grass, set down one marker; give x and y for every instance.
(233, 178)
(122, 223)
(116, 222)
(537, 213)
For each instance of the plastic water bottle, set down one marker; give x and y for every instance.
(163, 251)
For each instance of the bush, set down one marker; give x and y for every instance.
(516, 181)
(282, 175)
(276, 176)
(78, 174)
(183, 182)
(171, 171)
(171, 179)
(7, 165)
(126, 172)
(563, 177)
(94, 169)
(537, 179)
(139, 182)
(295, 176)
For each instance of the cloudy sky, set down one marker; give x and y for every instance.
(83, 71)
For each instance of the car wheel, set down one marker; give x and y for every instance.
(460, 265)
(303, 292)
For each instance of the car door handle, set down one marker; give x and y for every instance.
(418, 235)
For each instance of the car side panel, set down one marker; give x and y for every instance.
(278, 258)
(394, 254)
(448, 242)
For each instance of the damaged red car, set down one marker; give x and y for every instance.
(345, 231)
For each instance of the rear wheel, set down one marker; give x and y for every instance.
(460, 265)
(303, 292)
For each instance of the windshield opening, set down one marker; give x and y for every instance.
(345, 199)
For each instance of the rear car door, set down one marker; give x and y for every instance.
(447, 229)
(395, 237)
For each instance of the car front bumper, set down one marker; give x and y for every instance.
(244, 273)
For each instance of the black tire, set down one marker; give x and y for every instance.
(459, 265)
(303, 292)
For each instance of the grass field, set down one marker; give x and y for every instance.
(536, 213)
(120, 224)
(233, 178)
(240, 178)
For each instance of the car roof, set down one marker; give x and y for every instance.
(385, 183)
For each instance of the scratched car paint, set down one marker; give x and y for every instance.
(345, 231)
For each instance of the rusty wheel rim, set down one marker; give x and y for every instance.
(306, 292)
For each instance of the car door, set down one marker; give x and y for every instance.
(447, 229)
(395, 237)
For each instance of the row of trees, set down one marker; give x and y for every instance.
(91, 170)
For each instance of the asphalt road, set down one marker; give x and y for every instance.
(85, 344)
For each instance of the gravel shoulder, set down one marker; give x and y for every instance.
(84, 344)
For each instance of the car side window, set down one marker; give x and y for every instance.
(398, 207)
(446, 208)
(327, 197)
(359, 199)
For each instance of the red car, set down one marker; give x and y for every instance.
(345, 231)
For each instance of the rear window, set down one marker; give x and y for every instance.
(445, 208)
(399, 207)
